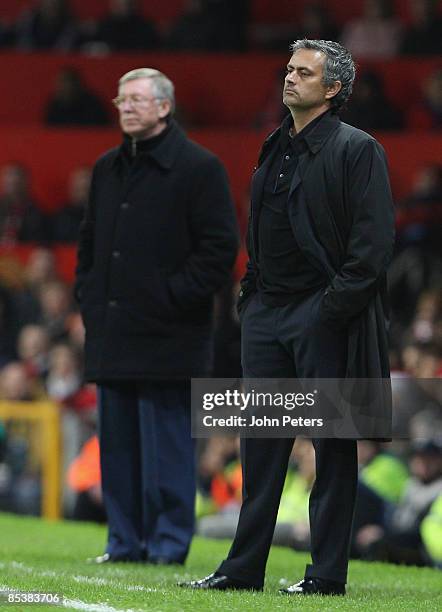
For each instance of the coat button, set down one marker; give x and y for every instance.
(113, 303)
(116, 254)
(125, 205)
(241, 293)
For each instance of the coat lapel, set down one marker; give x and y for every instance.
(257, 189)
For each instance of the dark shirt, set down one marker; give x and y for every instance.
(285, 274)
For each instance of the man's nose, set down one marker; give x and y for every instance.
(126, 106)
(291, 77)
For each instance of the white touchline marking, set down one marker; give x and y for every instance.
(77, 604)
(18, 565)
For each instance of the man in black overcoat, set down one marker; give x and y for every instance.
(158, 239)
(312, 305)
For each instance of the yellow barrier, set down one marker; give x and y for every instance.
(47, 415)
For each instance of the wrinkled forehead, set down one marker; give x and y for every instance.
(307, 58)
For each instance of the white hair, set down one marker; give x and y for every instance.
(162, 86)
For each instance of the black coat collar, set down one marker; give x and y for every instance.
(315, 138)
(166, 151)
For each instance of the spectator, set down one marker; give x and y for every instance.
(230, 19)
(211, 25)
(424, 35)
(63, 380)
(55, 304)
(73, 103)
(32, 349)
(431, 533)
(39, 269)
(317, 23)
(7, 35)
(428, 316)
(76, 331)
(426, 114)
(20, 219)
(419, 215)
(50, 25)
(15, 384)
(376, 34)
(193, 29)
(381, 471)
(125, 29)
(400, 541)
(369, 108)
(66, 222)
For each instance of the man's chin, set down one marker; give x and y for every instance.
(132, 132)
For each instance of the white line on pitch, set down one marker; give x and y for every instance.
(17, 565)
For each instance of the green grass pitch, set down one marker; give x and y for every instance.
(44, 557)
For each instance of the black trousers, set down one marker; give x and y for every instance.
(288, 342)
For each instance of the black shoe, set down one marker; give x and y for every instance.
(107, 558)
(219, 582)
(163, 561)
(315, 586)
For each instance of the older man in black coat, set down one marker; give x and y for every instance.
(158, 240)
(312, 305)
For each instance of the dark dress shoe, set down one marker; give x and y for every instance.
(219, 582)
(315, 586)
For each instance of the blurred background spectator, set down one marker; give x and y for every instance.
(73, 103)
(427, 112)
(376, 33)
(125, 28)
(66, 221)
(316, 22)
(369, 108)
(49, 25)
(423, 36)
(20, 217)
(211, 25)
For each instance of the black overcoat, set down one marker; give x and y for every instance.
(154, 247)
(341, 212)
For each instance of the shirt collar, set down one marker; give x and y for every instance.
(314, 133)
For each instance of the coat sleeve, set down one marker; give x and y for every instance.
(85, 251)
(371, 239)
(214, 232)
(248, 281)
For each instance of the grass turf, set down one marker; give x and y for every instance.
(40, 556)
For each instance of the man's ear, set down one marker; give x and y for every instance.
(332, 90)
(164, 108)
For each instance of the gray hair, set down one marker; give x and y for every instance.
(338, 66)
(162, 87)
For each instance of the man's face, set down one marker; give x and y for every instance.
(303, 84)
(141, 114)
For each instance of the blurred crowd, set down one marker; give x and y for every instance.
(222, 25)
